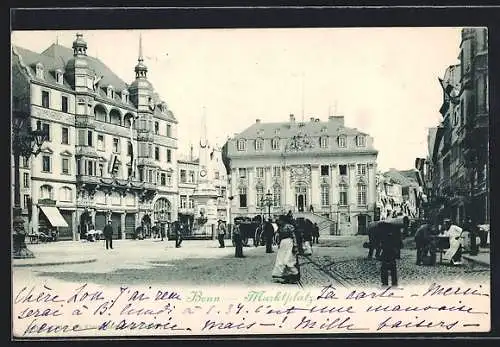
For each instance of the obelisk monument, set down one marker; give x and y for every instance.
(205, 195)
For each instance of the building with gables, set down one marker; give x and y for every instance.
(458, 161)
(111, 147)
(320, 164)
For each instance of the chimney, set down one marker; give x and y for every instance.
(292, 118)
(191, 153)
(257, 121)
(340, 119)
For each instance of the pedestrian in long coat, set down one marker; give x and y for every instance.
(316, 233)
(108, 235)
(391, 244)
(268, 236)
(179, 233)
(238, 242)
(221, 233)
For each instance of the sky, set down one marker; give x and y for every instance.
(384, 81)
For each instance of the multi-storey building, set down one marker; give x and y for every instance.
(320, 164)
(405, 186)
(459, 157)
(111, 147)
(389, 196)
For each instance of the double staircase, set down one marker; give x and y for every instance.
(325, 224)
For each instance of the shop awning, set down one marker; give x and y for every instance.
(54, 216)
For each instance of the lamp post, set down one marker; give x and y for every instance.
(230, 198)
(25, 142)
(268, 201)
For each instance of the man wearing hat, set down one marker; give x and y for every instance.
(108, 234)
(221, 233)
(238, 241)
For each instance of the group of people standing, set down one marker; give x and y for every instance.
(385, 240)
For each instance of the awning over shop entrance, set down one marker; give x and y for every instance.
(54, 216)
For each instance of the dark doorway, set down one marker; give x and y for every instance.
(362, 221)
(300, 202)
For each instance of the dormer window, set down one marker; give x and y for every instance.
(110, 92)
(242, 145)
(275, 144)
(259, 144)
(341, 141)
(324, 129)
(323, 142)
(276, 131)
(59, 76)
(360, 141)
(125, 96)
(39, 70)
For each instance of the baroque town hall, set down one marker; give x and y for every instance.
(111, 146)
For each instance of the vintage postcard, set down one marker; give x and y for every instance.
(250, 181)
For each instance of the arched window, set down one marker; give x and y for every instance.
(125, 95)
(242, 145)
(100, 113)
(65, 194)
(275, 144)
(259, 144)
(46, 192)
(162, 210)
(323, 142)
(110, 92)
(128, 120)
(39, 70)
(342, 141)
(360, 141)
(115, 117)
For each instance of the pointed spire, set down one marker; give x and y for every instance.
(204, 125)
(140, 69)
(141, 58)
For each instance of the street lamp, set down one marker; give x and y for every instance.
(25, 143)
(268, 201)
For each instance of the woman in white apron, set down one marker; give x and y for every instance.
(454, 253)
(286, 267)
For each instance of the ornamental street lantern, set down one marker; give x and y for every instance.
(268, 201)
(25, 143)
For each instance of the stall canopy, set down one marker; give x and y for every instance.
(54, 216)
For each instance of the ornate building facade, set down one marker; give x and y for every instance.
(111, 147)
(458, 169)
(320, 165)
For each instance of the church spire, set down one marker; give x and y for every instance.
(140, 69)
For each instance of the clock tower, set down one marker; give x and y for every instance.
(205, 195)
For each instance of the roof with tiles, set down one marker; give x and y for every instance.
(313, 127)
(57, 56)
